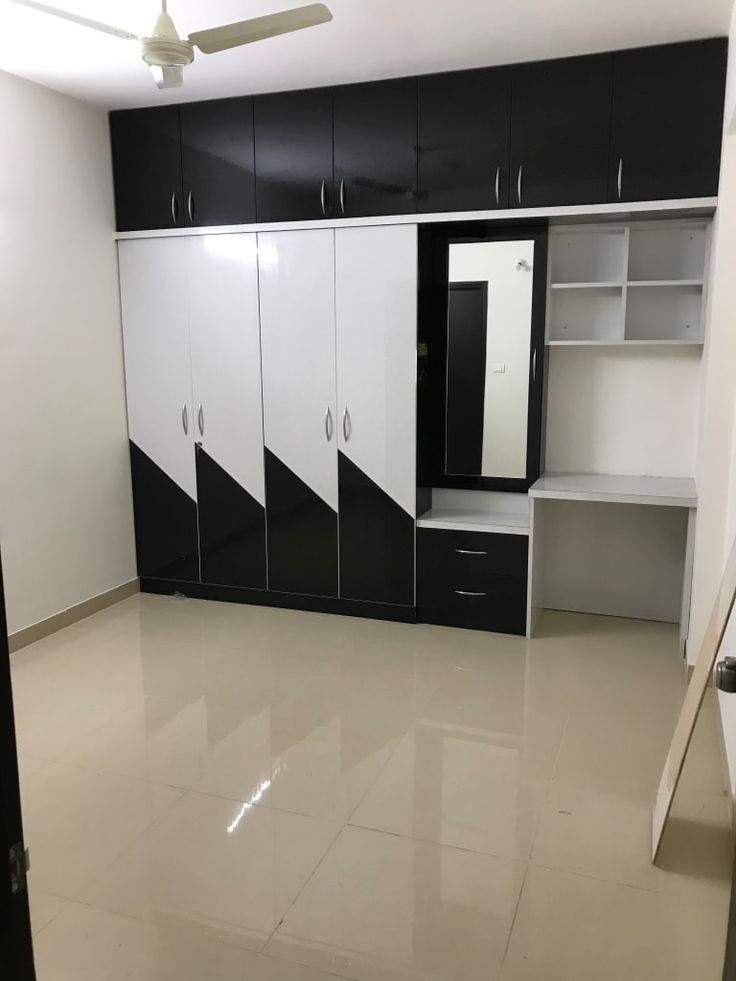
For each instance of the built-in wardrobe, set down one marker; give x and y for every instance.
(271, 406)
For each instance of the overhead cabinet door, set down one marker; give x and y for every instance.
(146, 156)
(560, 131)
(375, 128)
(376, 295)
(227, 421)
(667, 121)
(153, 285)
(296, 271)
(464, 129)
(293, 132)
(218, 162)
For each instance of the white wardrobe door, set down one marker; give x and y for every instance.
(153, 289)
(376, 303)
(226, 355)
(296, 271)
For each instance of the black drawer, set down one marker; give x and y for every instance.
(468, 579)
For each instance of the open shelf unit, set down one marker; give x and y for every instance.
(637, 283)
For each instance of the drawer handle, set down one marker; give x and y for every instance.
(467, 592)
(469, 551)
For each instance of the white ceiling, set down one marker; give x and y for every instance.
(367, 39)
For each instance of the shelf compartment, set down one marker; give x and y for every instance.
(665, 313)
(588, 254)
(595, 314)
(667, 251)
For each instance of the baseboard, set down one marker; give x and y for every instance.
(37, 631)
(284, 601)
(724, 767)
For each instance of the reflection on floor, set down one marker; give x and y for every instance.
(226, 793)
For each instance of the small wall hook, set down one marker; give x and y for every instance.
(522, 264)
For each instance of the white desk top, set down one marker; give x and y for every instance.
(493, 522)
(662, 491)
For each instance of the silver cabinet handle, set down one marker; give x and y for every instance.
(468, 592)
(498, 185)
(190, 206)
(185, 419)
(619, 179)
(342, 196)
(174, 209)
(518, 182)
(200, 419)
(322, 199)
(347, 426)
(328, 424)
(469, 551)
(534, 365)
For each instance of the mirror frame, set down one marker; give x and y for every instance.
(434, 246)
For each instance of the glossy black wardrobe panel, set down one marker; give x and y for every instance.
(376, 541)
(293, 133)
(467, 326)
(165, 522)
(217, 158)
(302, 534)
(560, 131)
(232, 529)
(375, 133)
(146, 158)
(464, 130)
(667, 121)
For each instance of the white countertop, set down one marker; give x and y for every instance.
(492, 522)
(618, 489)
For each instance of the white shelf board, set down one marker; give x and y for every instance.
(632, 342)
(586, 286)
(492, 522)
(664, 282)
(616, 489)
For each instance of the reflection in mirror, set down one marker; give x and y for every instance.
(489, 322)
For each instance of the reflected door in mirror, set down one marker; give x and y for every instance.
(466, 376)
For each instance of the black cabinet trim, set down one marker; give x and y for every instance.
(283, 601)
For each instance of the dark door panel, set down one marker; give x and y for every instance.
(467, 318)
(293, 134)
(667, 121)
(464, 129)
(375, 132)
(218, 169)
(560, 130)
(146, 157)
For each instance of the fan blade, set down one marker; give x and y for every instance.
(257, 28)
(78, 19)
(168, 76)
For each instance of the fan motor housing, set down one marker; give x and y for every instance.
(167, 52)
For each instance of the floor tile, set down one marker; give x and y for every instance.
(381, 907)
(575, 928)
(44, 908)
(217, 860)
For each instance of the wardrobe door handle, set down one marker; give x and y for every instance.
(498, 185)
(322, 199)
(342, 195)
(347, 427)
(200, 419)
(190, 206)
(329, 429)
(174, 209)
(518, 182)
(469, 551)
(534, 365)
(468, 592)
(619, 179)
(185, 419)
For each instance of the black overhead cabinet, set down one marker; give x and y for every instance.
(667, 121)
(146, 155)
(560, 127)
(375, 132)
(464, 128)
(217, 162)
(293, 133)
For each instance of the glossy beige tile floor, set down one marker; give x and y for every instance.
(227, 793)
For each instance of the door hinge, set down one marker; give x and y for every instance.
(20, 863)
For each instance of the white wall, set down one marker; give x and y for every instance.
(66, 530)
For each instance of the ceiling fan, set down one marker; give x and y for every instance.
(167, 54)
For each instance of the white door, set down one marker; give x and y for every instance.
(376, 312)
(297, 291)
(153, 291)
